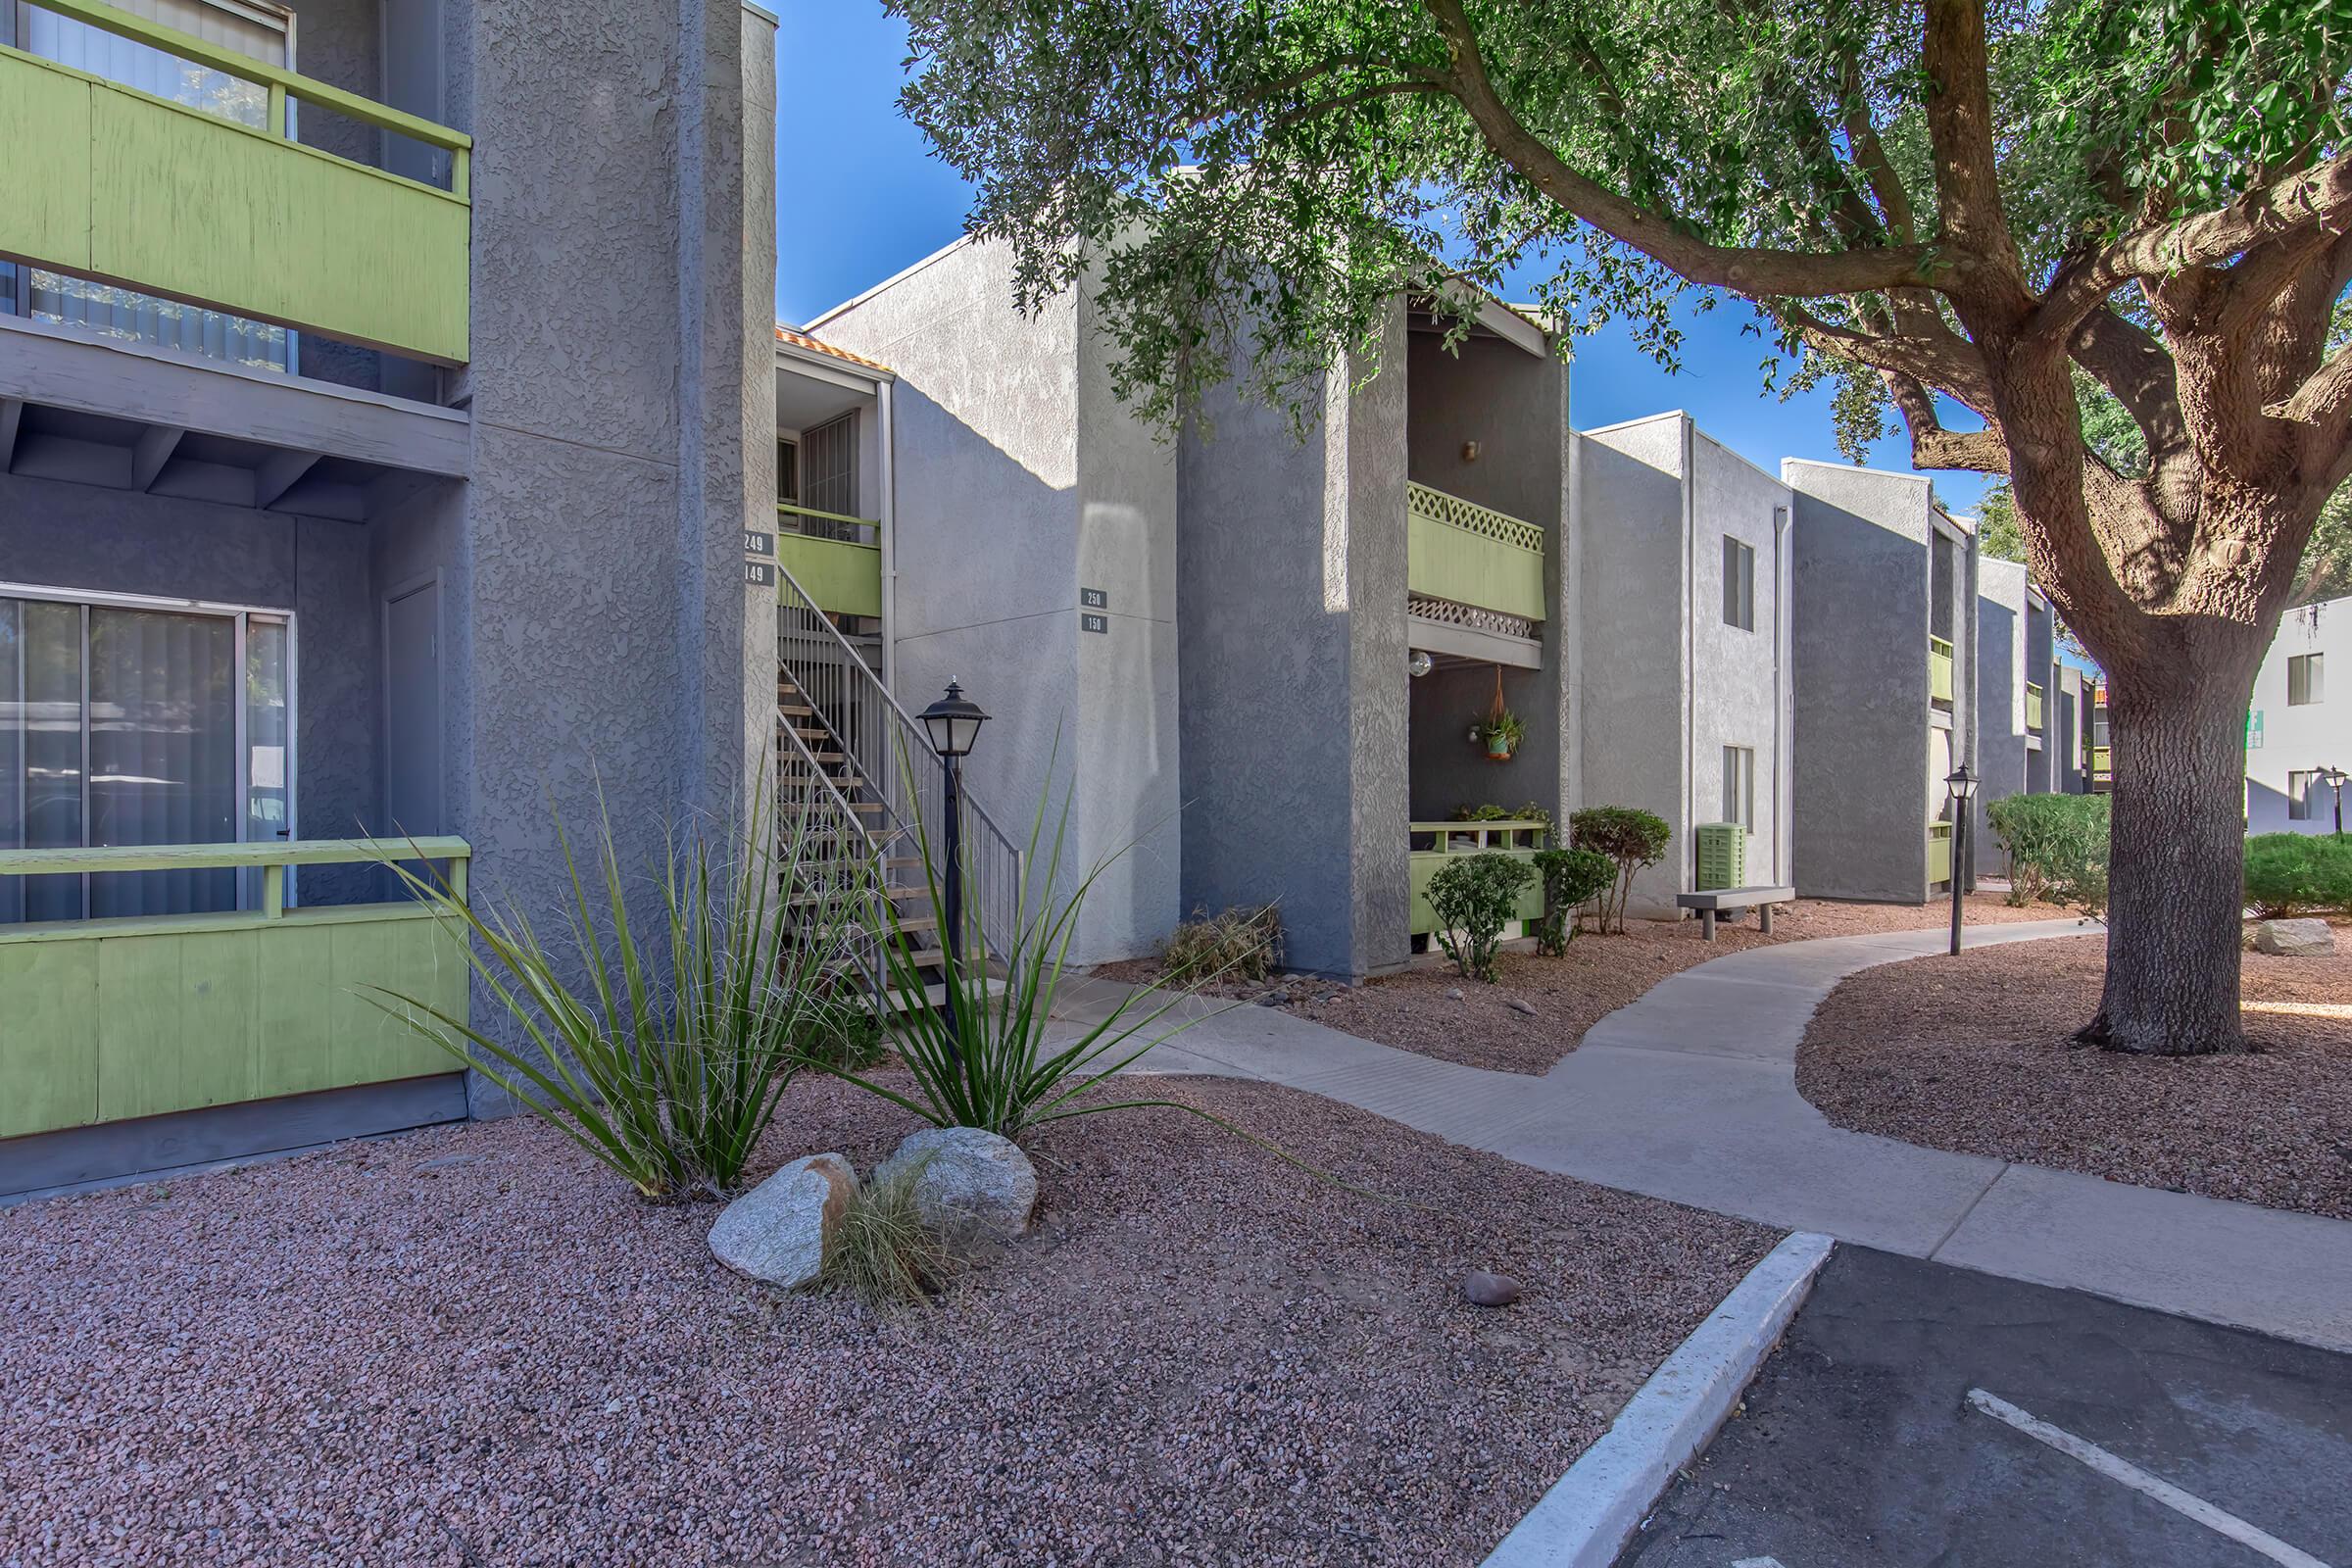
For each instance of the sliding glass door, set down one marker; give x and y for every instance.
(131, 723)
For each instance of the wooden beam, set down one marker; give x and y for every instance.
(278, 474)
(59, 368)
(151, 452)
(12, 415)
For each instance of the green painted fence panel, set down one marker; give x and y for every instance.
(49, 1044)
(841, 576)
(118, 186)
(1489, 567)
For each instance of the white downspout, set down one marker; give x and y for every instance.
(890, 537)
(1687, 877)
(1784, 700)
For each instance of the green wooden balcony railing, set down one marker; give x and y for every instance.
(120, 186)
(135, 1016)
(1436, 843)
(1466, 554)
(835, 556)
(2034, 706)
(1940, 670)
(1939, 852)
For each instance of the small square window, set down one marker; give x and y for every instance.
(1739, 786)
(2306, 680)
(1739, 585)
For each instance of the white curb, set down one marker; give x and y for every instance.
(1590, 1513)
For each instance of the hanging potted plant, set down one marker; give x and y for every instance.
(1502, 734)
(1500, 730)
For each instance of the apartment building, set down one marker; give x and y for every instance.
(383, 384)
(1886, 664)
(2298, 730)
(1683, 555)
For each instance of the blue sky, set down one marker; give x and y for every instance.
(858, 196)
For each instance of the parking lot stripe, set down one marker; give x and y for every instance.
(2139, 1480)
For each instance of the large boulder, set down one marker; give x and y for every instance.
(973, 1183)
(2295, 939)
(778, 1231)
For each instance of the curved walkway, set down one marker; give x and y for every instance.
(1689, 1094)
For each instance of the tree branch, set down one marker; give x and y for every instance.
(2318, 197)
(1960, 137)
(1984, 451)
(1744, 269)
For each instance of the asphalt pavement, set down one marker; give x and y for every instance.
(1918, 1414)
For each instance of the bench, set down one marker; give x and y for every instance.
(1718, 900)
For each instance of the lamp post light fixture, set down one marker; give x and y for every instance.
(2335, 777)
(953, 724)
(1963, 785)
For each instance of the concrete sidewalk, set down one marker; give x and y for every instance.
(1689, 1094)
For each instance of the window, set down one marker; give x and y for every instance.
(2299, 795)
(1739, 786)
(829, 466)
(788, 471)
(125, 721)
(2306, 675)
(1739, 585)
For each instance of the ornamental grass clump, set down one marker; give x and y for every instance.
(1630, 838)
(1474, 898)
(659, 1033)
(1245, 943)
(882, 1252)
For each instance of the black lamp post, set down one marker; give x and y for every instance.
(953, 724)
(2335, 777)
(1963, 785)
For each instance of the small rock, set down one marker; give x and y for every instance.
(1276, 997)
(973, 1181)
(2294, 939)
(778, 1230)
(1453, 993)
(1481, 1289)
(1333, 997)
(1522, 1005)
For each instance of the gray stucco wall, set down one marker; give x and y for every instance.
(1863, 733)
(1019, 480)
(76, 536)
(1291, 587)
(2041, 747)
(1667, 682)
(2066, 730)
(2000, 664)
(2302, 737)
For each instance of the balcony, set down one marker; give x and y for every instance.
(123, 187)
(1474, 559)
(1940, 671)
(143, 1015)
(836, 559)
(2032, 707)
(1939, 853)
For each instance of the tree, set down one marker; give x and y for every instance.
(1949, 211)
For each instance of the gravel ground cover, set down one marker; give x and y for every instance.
(470, 1347)
(1970, 1054)
(1417, 1010)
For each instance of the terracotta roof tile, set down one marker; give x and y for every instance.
(802, 340)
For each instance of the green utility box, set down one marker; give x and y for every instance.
(1722, 855)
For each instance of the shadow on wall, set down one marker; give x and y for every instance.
(991, 601)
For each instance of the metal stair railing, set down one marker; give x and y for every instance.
(888, 751)
(832, 862)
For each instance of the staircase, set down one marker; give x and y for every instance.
(857, 789)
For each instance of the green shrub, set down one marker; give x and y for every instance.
(1473, 897)
(882, 1252)
(2057, 847)
(1244, 942)
(2297, 873)
(839, 1034)
(1571, 878)
(1630, 838)
(660, 1046)
(1491, 812)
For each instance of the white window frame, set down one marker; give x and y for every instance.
(244, 615)
(1739, 786)
(2308, 674)
(1738, 583)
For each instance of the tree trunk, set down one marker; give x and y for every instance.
(2176, 860)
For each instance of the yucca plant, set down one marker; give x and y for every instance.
(979, 1057)
(659, 1048)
